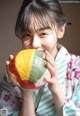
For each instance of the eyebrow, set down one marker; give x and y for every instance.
(43, 28)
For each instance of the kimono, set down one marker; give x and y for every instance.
(68, 67)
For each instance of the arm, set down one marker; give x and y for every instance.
(69, 104)
(59, 99)
(53, 84)
(27, 108)
(58, 95)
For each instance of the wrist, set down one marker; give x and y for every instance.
(59, 97)
(28, 107)
(55, 88)
(27, 94)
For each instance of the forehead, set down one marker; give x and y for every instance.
(37, 21)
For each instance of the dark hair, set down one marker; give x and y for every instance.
(38, 12)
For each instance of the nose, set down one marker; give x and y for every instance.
(36, 42)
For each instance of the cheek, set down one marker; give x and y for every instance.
(47, 44)
(51, 41)
(25, 44)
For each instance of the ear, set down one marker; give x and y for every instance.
(61, 31)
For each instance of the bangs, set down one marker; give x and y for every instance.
(35, 19)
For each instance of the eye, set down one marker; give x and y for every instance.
(43, 34)
(26, 36)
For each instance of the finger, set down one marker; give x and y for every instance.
(8, 71)
(7, 64)
(51, 69)
(7, 67)
(11, 76)
(49, 58)
(51, 64)
(11, 57)
(49, 80)
(48, 54)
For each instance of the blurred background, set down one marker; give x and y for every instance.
(10, 44)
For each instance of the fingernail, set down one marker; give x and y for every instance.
(44, 55)
(7, 62)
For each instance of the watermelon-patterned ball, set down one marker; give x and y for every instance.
(29, 66)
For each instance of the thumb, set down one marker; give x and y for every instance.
(48, 79)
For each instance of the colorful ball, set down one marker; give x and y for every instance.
(29, 68)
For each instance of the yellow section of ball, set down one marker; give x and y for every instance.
(24, 60)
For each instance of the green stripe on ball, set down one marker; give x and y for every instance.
(38, 67)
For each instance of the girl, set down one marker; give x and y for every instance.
(40, 24)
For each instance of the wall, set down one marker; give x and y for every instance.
(71, 39)
(9, 44)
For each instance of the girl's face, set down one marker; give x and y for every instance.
(41, 33)
(43, 39)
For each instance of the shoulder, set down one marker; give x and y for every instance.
(74, 66)
(75, 60)
(73, 69)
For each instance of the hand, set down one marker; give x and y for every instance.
(11, 76)
(53, 80)
(53, 83)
